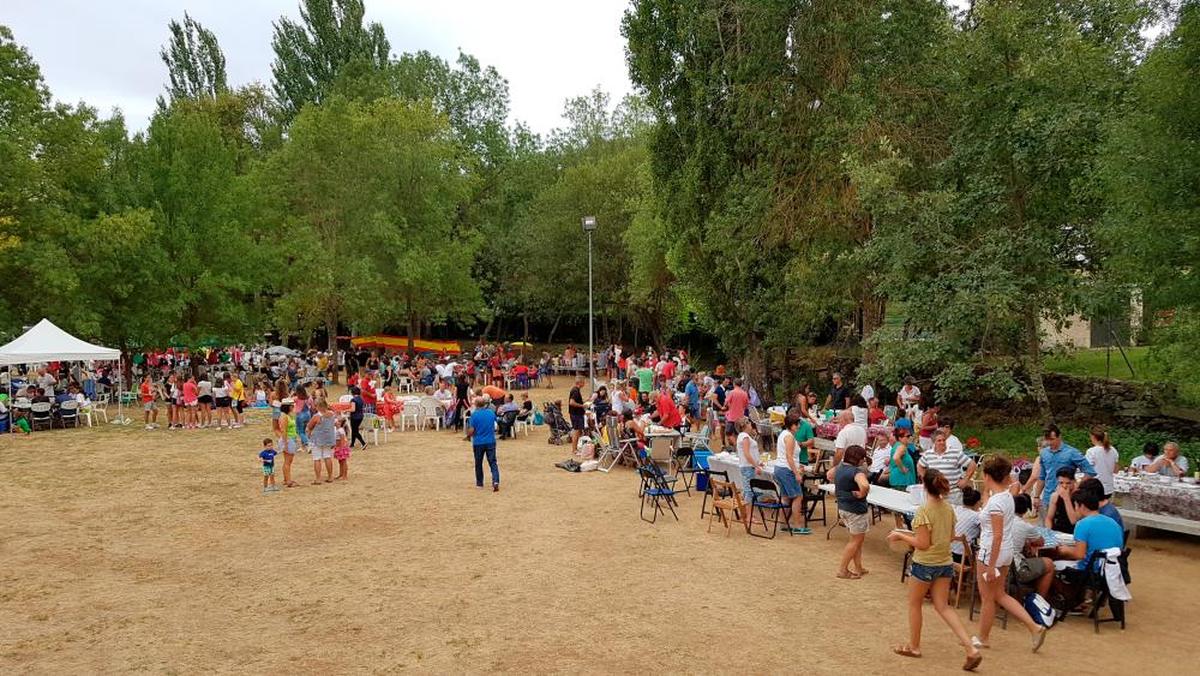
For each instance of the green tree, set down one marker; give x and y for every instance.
(194, 60)
(368, 194)
(312, 54)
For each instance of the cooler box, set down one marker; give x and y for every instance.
(700, 458)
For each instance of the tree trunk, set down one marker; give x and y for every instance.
(412, 333)
(488, 329)
(751, 363)
(331, 343)
(554, 328)
(525, 332)
(1033, 362)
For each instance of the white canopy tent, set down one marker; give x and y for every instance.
(45, 342)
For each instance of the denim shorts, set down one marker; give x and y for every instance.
(926, 573)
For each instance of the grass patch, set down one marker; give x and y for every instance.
(1099, 363)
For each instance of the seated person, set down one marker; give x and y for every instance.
(506, 415)
(1106, 507)
(875, 415)
(39, 397)
(903, 421)
(63, 397)
(1030, 568)
(966, 523)
(1171, 463)
(1147, 458)
(526, 412)
(881, 452)
(1094, 532)
(1061, 516)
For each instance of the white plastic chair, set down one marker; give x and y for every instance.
(404, 384)
(374, 424)
(430, 411)
(96, 408)
(411, 411)
(521, 425)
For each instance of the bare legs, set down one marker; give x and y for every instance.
(852, 553)
(993, 593)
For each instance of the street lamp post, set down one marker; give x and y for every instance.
(589, 224)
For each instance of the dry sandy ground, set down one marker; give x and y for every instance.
(126, 550)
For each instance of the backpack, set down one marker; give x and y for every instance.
(1040, 609)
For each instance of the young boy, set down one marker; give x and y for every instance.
(268, 465)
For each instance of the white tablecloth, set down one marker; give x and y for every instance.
(887, 499)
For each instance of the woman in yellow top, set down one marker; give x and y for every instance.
(933, 567)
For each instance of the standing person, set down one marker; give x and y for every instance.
(304, 412)
(929, 425)
(1054, 455)
(237, 395)
(576, 409)
(190, 401)
(267, 455)
(839, 394)
(150, 411)
(849, 435)
(204, 399)
(851, 488)
(790, 468)
(481, 432)
(933, 568)
(645, 378)
(223, 401)
(286, 428)
(996, 555)
(749, 463)
(320, 429)
(356, 417)
(174, 403)
(736, 403)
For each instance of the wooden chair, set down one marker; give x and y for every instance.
(966, 569)
(726, 496)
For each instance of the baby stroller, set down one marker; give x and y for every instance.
(557, 423)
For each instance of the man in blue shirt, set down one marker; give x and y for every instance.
(1054, 456)
(481, 432)
(693, 398)
(1094, 532)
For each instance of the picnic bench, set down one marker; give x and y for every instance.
(1134, 518)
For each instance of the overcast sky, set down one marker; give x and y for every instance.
(106, 52)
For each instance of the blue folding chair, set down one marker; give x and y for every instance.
(764, 497)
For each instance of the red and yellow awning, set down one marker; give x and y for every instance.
(385, 342)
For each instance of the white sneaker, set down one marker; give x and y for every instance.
(149, 427)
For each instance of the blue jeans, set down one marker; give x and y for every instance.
(490, 451)
(930, 573)
(302, 419)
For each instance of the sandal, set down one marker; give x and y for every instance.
(905, 651)
(973, 661)
(848, 575)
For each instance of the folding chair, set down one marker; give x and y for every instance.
(965, 573)
(616, 449)
(684, 466)
(810, 500)
(1096, 582)
(711, 474)
(39, 414)
(644, 461)
(656, 492)
(764, 495)
(698, 441)
(68, 411)
(726, 496)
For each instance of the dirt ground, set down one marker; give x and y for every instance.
(126, 550)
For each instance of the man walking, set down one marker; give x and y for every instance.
(481, 432)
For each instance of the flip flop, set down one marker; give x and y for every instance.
(973, 661)
(862, 572)
(905, 651)
(848, 576)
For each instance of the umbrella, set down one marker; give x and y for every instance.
(521, 343)
(281, 351)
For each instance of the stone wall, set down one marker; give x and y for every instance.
(1087, 401)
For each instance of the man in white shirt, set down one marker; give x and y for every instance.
(849, 435)
(1171, 463)
(952, 443)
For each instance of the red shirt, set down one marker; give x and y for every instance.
(669, 370)
(875, 416)
(147, 395)
(736, 402)
(668, 412)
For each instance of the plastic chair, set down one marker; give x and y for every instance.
(97, 408)
(429, 412)
(521, 425)
(374, 424)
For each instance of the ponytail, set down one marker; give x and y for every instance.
(1100, 433)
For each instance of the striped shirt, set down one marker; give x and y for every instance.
(952, 464)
